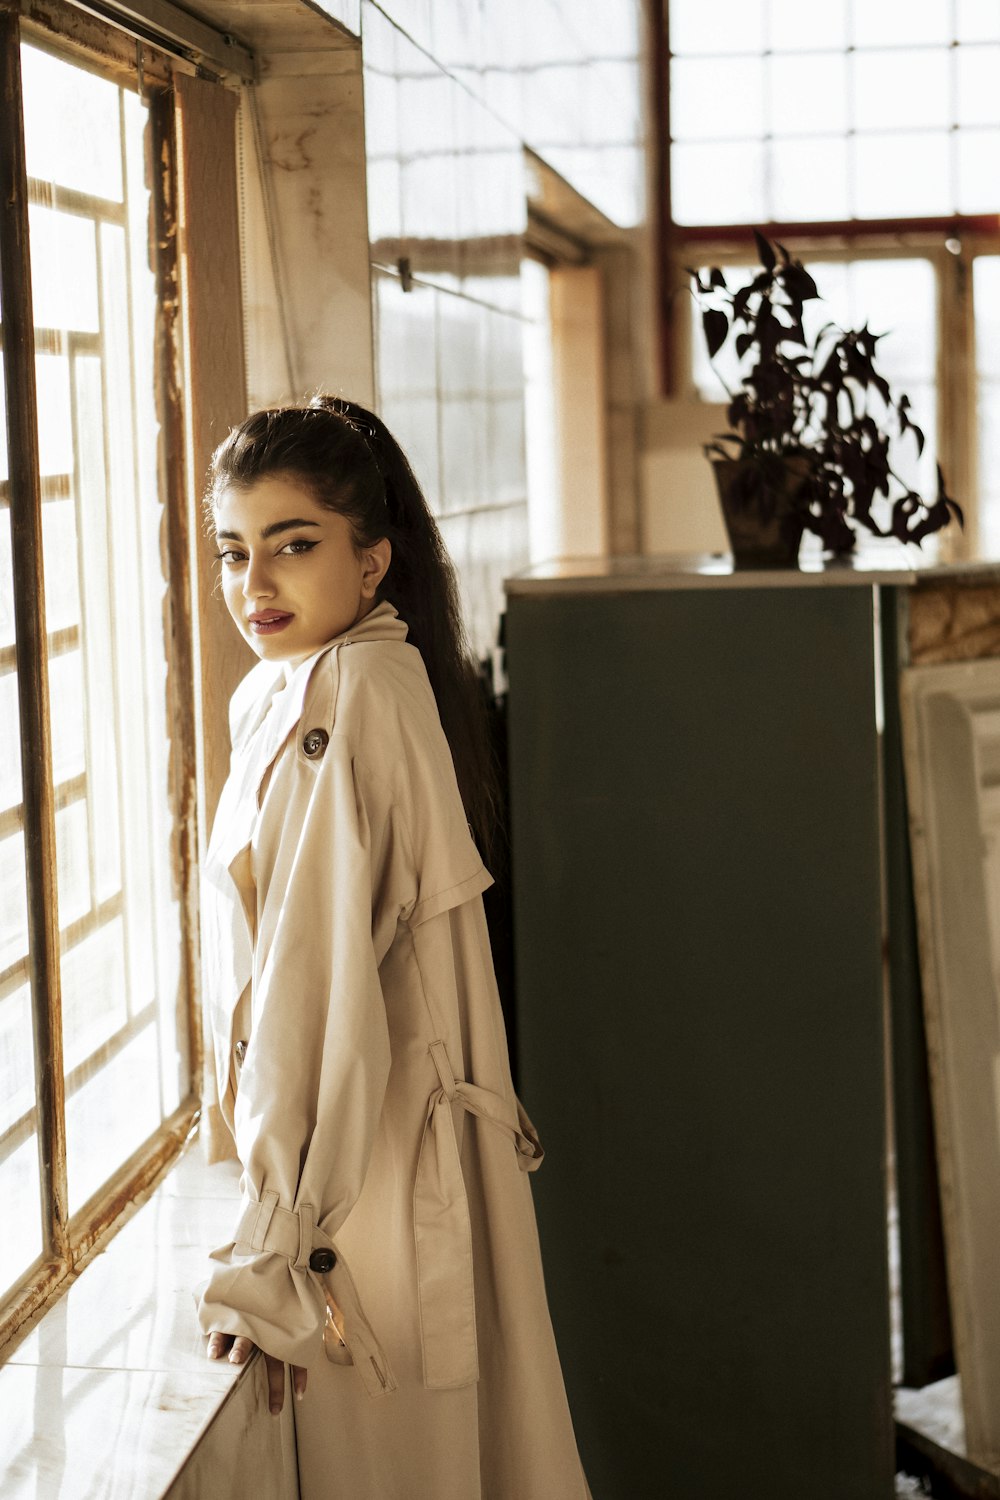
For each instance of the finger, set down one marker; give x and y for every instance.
(299, 1377)
(218, 1343)
(275, 1383)
(241, 1350)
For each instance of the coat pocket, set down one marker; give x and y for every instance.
(334, 1345)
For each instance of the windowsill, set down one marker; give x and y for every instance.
(110, 1392)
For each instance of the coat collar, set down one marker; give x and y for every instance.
(380, 624)
(266, 707)
(275, 691)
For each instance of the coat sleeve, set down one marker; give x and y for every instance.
(317, 1064)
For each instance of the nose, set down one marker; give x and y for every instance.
(257, 583)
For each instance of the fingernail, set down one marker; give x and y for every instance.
(234, 1358)
(299, 1395)
(275, 1410)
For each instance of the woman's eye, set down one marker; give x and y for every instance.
(299, 545)
(230, 556)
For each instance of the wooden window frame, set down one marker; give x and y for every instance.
(69, 1241)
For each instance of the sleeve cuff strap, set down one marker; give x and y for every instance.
(265, 1226)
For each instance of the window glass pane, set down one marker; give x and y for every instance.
(978, 85)
(720, 98)
(809, 180)
(726, 25)
(21, 1243)
(73, 860)
(808, 93)
(14, 933)
(10, 744)
(64, 270)
(62, 584)
(71, 135)
(882, 23)
(894, 90)
(94, 1005)
(902, 175)
(897, 298)
(124, 1031)
(6, 593)
(977, 21)
(986, 293)
(66, 699)
(978, 171)
(798, 28)
(115, 1108)
(719, 184)
(55, 433)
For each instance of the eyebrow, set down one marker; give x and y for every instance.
(275, 528)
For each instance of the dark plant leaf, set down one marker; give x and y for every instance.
(809, 291)
(945, 500)
(716, 325)
(764, 252)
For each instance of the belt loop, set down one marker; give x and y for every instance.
(262, 1219)
(447, 1077)
(307, 1215)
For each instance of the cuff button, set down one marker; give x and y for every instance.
(322, 1260)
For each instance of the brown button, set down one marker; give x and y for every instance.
(322, 1260)
(315, 742)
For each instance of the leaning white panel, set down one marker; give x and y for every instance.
(951, 726)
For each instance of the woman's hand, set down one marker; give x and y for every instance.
(240, 1350)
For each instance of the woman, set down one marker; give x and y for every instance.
(386, 1249)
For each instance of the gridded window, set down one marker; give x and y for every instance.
(871, 127)
(119, 898)
(854, 109)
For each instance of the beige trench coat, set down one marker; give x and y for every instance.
(370, 1099)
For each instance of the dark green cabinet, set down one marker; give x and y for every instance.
(695, 812)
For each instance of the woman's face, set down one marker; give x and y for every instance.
(290, 575)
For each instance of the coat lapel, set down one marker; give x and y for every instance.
(261, 727)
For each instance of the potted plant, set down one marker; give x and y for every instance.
(811, 423)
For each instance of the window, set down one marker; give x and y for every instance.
(865, 137)
(111, 1011)
(782, 112)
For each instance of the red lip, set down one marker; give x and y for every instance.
(267, 621)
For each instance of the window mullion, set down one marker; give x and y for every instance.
(29, 615)
(163, 154)
(956, 384)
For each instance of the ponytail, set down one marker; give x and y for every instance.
(352, 464)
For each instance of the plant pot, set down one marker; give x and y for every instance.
(763, 508)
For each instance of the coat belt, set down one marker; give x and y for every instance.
(295, 1233)
(441, 1225)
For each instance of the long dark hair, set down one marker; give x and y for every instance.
(351, 463)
